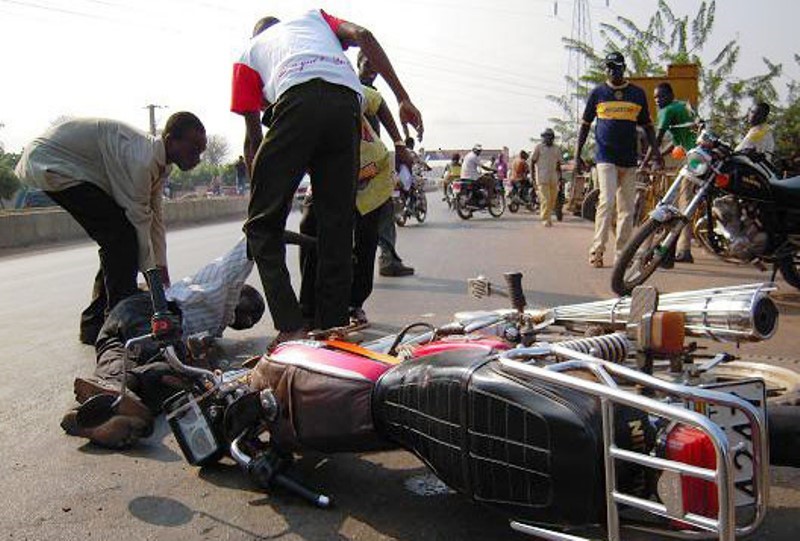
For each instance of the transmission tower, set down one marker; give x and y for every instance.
(578, 63)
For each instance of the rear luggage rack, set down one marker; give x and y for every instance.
(724, 527)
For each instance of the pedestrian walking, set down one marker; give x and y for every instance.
(546, 165)
(619, 107)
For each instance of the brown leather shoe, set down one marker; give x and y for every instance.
(131, 405)
(119, 432)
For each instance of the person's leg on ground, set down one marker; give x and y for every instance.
(606, 207)
(684, 246)
(626, 201)
(390, 262)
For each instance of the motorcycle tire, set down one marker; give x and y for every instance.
(637, 262)
(513, 207)
(497, 204)
(421, 212)
(782, 384)
(461, 206)
(789, 267)
(589, 205)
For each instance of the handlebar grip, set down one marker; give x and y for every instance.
(157, 296)
(514, 283)
(320, 500)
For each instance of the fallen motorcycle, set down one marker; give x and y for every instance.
(631, 429)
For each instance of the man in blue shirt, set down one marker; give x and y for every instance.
(619, 108)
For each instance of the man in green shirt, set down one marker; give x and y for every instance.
(677, 118)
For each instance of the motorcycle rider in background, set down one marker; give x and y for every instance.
(471, 170)
(452, 171)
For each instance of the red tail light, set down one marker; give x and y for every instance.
(690, 446)
(722, 180)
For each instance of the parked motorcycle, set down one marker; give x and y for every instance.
(521, 195)
(749, 215)
(484, 194)
(562, 434)
(412, 203)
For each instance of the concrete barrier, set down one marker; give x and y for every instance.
(41, 226)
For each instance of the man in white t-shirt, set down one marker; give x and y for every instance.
(297, 71)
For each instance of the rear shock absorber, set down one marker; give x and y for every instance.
(609, 347)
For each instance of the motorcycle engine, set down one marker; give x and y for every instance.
(742, 227)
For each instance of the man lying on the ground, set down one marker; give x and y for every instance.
(213, 298)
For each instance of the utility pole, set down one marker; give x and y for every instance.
(578, 63)
(152, 107)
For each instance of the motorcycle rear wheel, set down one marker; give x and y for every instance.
(497, 204)
(513, 207)
(639, 259)
(462, 210)
(782, 384)
(790, 271)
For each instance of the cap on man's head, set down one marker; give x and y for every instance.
(477, 146)
(548, 132)
(615, 59)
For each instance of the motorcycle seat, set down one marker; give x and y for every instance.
(787, 191)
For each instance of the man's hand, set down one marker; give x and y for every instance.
(409, 114)
(580, 166)
(403, 156)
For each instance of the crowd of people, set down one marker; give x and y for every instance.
(324, 119)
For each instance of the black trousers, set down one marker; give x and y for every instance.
(105, 222)
(315, 128)
(365, 247)
(387, 235)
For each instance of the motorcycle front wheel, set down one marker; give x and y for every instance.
(642, 255)
(462, 210)
(421, 211)
(497, 204)
(513, 207)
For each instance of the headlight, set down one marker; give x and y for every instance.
(697, 162)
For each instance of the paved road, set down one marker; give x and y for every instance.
(58, 488)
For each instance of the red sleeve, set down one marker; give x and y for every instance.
(332, 21)
(246, 96)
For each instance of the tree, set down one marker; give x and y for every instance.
(216, 150)
(9, 183)
(671, 39)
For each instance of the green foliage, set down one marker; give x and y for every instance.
(787, 139)
(9, 183)
(211, 167)
(668, 38)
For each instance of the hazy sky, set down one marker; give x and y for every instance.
(479, 71)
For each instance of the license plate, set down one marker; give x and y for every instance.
(737, 428)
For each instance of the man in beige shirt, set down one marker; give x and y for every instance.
(109, 176)
(546, 163)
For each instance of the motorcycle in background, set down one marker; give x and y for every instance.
(410, 203)
(749, 215)
(484, 194)
(521, 194)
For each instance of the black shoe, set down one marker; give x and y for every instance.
(358, 316)
(396, 269)
(684, 257)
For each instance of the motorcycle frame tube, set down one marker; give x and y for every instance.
(725, 526)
